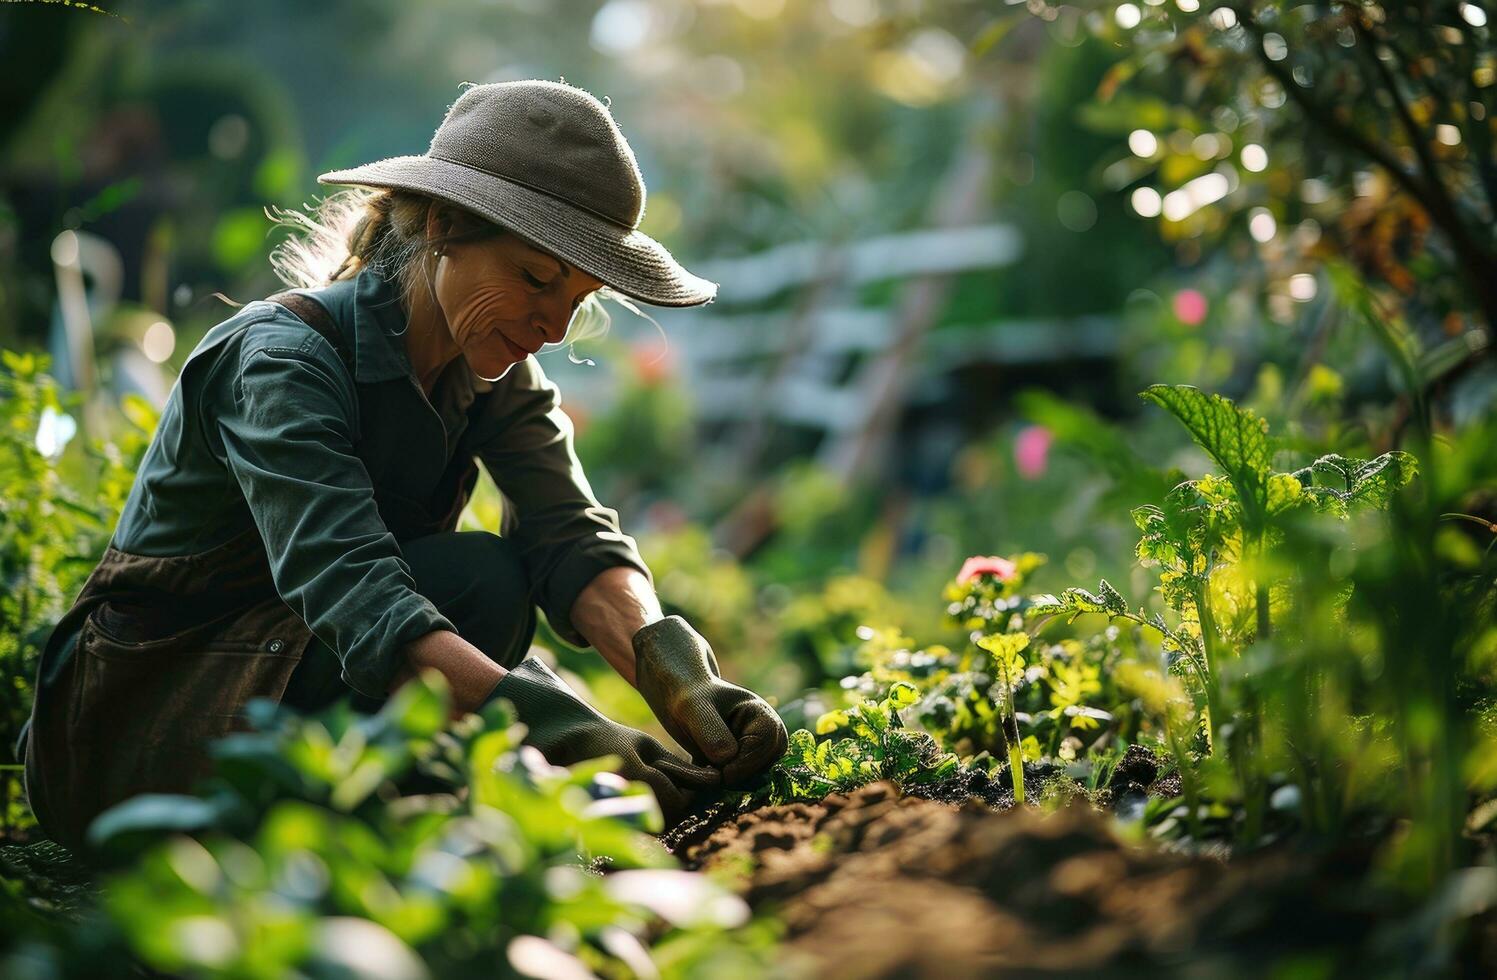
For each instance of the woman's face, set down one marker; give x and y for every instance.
(503, 298)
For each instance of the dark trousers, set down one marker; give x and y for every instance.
(474, 578)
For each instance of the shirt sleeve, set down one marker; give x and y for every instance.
(287, 436)
(564, 535)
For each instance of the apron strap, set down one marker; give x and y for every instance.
(316, 316)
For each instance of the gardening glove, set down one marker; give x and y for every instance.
(566, 729)
(721, 723)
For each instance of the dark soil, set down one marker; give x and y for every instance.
(877, 883)
(47, 877)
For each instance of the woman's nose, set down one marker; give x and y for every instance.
(552, 329)
(553, 323)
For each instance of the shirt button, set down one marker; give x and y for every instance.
(276, 645)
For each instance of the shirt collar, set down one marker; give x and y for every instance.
(379, 325)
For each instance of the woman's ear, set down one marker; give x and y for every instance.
(438, 221)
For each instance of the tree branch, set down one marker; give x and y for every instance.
(1474, 259)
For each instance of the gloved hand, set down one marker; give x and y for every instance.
(566, 729)
(724, 724)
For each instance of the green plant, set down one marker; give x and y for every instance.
(328, 841)
(1261, 670)
(59, 498)
(1007, 650)
(876, 746)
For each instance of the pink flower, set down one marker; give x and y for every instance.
(1032, 450)
(1190, 307)
(1001, 568)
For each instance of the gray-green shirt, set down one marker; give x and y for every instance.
(265, 426)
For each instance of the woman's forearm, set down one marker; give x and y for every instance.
(469, 672)
(611, 609)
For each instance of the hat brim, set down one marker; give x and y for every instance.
(626, 260)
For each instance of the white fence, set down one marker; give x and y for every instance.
(831, 366)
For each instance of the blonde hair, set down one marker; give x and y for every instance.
(384, 229)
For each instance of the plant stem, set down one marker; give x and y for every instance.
(1016, 767)
(1208, 647)
(1188, 788)
(1011, 734)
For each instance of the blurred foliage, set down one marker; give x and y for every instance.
(1355, 130)
(58, 502)
(644, 441)
(397, 844)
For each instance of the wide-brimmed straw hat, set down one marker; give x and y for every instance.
(546, 160)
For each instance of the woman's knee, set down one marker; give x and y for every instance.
(478, 580)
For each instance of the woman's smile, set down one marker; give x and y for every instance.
(516, 351)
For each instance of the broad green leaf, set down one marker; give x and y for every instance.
(830, 722)
(1235, 438)
(1335, 468)
(151, 813)
(903, 694)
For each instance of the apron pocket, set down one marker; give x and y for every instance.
(145, 711)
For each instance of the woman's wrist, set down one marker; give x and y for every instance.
(615, 605)
(469, 672)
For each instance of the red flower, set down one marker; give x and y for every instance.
(1001, 568)
(654, 361)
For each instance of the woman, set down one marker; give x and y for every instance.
(290, 534)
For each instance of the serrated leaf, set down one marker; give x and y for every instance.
(1361, 483)
(903, 694)
(1105, 600)
(1045, 605)
(1337, 468)
(1375, 481)
(1114, 601)
(1236, 439)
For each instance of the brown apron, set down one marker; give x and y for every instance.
(170, 649)
(134, 708)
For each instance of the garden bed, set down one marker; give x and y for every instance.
(881, 883)
(957, 881)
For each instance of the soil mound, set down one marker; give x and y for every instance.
(876, 883)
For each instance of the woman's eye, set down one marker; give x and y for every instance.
(532, 279)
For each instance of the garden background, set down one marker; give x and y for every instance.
(956, 241)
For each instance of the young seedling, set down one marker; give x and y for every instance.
(1008, 663)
